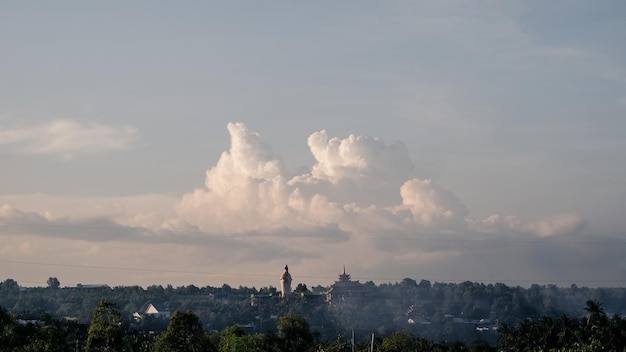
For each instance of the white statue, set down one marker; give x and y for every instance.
(285, 283)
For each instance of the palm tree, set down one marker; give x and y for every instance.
(567, 328)
(597, 322)
(594, 308)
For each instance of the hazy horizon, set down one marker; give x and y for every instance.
(211, 143)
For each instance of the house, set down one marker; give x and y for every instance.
(157, 310)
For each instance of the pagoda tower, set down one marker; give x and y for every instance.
(345, 289)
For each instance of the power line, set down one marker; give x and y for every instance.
(169, 271)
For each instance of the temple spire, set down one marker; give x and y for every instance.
(343, 276)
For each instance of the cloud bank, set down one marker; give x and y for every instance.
(357, 205)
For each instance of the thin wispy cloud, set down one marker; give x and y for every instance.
(68, 138)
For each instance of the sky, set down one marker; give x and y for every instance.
(210, 143)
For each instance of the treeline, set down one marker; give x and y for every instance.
(108, 331)
(467, 312)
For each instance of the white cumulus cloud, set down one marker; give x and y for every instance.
(245, 191)
(359, 185)
(353, 181)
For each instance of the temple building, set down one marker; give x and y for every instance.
(345, 290)
(285, 283)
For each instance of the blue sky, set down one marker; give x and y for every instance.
(211, 142)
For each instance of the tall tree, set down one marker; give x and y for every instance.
(597, 329)
(184, 334)
(595, 311)
(106, 333)
(10, 284)
(295, 333)
(53, 282)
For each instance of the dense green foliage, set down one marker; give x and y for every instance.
(39, 335)
(595, 332)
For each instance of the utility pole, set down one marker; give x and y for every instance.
(352, 340)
